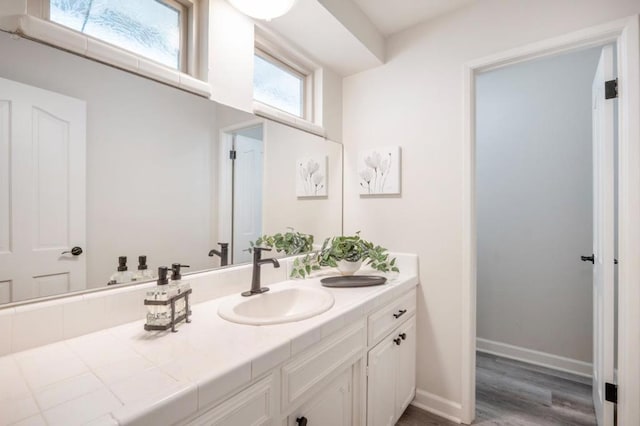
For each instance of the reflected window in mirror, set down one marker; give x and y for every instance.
(280, 83)
(155, 29)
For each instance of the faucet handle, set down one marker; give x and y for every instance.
(257, 253)
(261, 248)
(223, 245)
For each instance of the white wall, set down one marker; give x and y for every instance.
(416, 100)
(534, 204)
(141, 196)
(282, 209)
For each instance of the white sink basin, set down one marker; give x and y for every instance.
(277, 306)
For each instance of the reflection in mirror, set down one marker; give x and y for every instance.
(97, 164)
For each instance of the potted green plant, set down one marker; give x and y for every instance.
(347, 254)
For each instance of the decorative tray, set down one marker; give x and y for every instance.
(353, 281)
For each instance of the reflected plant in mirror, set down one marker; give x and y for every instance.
(290, 243)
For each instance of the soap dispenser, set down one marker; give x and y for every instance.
(179, 286)
(143, 273)
(160, 314)
(123, 275)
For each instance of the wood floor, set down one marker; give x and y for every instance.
(517, 394)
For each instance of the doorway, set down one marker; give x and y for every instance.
(626, 34)
(241, 188)
(536, 192)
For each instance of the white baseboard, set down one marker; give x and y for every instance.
(535, 357)
(439, 406)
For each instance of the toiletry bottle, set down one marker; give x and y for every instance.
(143, 273)
(179, 286)
(160, 314)
(122, 275)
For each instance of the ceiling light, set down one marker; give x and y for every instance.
(263, 9)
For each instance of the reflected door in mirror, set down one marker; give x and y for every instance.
(247, 191)
(42, 192)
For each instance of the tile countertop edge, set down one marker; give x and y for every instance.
(274, 346)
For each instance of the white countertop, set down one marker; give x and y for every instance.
(125, 375)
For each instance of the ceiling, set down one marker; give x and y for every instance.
(396, 15)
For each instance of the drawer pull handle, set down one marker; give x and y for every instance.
(397, 341)
(403, 336)
(302, 421)
(400, 313)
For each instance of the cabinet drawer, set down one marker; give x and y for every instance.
(390, 316)
(251, 407)
(313, 366)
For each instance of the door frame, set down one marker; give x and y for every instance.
(626, 34)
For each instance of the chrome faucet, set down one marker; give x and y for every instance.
(255, 278)
(223, 253)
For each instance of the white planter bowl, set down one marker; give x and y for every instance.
(349, 268)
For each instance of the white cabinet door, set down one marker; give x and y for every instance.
(253, 406)
(406, 379)
(331, 407)
(391, 380)
(381, 383)
(42, 192)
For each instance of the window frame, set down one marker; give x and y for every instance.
(294, 64)
(187, 11)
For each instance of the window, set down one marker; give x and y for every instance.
(279, 85)
(155, 29)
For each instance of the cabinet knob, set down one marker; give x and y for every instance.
(397, 341)
(400, 313)
(302, 421)
(403, 336)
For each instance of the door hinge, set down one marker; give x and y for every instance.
(611, 89)
(611, 392)
(232, 154)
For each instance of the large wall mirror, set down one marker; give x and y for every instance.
(98, 164)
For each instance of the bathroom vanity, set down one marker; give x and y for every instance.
(363, 373)
(353, 364)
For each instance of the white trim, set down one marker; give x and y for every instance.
(274, 114)
(434, 404)
(530, 356)
(626, 33)
(58, 36)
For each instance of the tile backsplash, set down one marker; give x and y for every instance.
(40, 323)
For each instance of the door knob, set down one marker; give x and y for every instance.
(76, 251)
(302, 421)
(591, 258)
(403, 336)
(397, 341)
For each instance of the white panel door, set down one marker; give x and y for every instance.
(247, 195)
(603, 237)
(42, 192)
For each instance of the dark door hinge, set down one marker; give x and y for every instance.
(232, 154)
(611, 392)
(611, 89)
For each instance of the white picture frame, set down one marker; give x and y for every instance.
(379, 171)
(311, 177)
